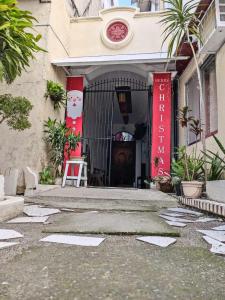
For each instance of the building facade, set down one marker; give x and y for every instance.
(123, 90)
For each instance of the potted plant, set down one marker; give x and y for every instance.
(60, 140)
(56, 93)
(189, 170)
(164, 183)
(176, 182)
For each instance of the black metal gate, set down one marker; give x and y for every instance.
(99, 102)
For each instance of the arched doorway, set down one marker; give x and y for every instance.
(117, 104)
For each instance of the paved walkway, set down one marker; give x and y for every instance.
(120, 268)
(104, 199)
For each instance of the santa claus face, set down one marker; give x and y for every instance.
(74, 104)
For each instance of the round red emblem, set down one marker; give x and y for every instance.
(117, 31)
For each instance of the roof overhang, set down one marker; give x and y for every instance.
(139, 58)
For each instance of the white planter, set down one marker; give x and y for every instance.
(216, 190)
(192, 189)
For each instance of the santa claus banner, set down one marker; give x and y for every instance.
(161, 125)
(74, 111)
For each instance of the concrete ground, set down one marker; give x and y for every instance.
(120, 268)
(104, 199)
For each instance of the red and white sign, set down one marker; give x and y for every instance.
(117, 31)
(74, 111)
(161, 125)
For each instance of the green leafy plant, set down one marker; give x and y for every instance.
(188, 167)
(56, 93)
(183, 116)
(215, 162)
(71, 142)
(15, 112)
(59, 139)
(181, 23)
(46, 176)
(17, 42)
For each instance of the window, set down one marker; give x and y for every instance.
(210, 96)
(193, 103)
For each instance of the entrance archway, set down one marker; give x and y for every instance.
(115, 104)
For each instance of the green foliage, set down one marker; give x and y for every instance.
(46, 176)
(216, 168)
(215, 162)
(179, 20)
(187, 167)
(72, 142)
(56, 93)
(59, 137)
(15, 111)
(17, 42)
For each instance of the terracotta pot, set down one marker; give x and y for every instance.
(192, 189)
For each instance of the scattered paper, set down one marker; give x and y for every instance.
(217, 235)
(73, 240)
(28, 220)
(6, 244)
(220, 228)
(173, 219)
(158, 240)
(217, 247)
(172, 214)
(176, 224)
(185, 211)
(36, 211)
(6, 234)
(205, 220)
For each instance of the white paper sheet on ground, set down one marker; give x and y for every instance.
(172, 214)
(185, 211)
(36, 211)
(176, 224)
(217, 235)
(157, 240)
(217, 247)
(220, 228)
(28, 220)
(173, 219)
(73, 240)
(205, 220)
(6, 244)
(6, 234)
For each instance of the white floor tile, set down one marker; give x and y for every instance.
(185, 211)
(176, 224)
(28, 220)
(158, 240)
(36, 211)
(6, 234)
(6, 244)
(217, 235)
(73, 240)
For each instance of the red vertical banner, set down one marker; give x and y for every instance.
(161, 125)
(74, 109)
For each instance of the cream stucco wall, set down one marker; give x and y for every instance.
(220, 63)
(85, 37)
(27, 148)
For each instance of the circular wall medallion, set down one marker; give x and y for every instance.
(117, 31)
